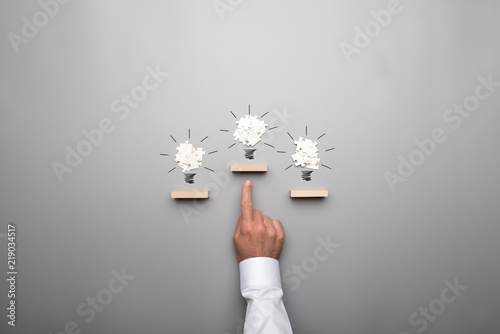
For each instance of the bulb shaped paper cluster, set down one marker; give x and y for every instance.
(306, 153)
(250, 130)
(188, 157)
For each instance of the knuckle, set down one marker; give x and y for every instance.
(260, 229)
(246, 229)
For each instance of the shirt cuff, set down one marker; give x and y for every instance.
(259, 271)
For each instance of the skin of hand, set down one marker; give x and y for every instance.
(256, 235)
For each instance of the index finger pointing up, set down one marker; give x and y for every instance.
(246, 200)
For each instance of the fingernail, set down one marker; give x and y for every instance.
(248, 183)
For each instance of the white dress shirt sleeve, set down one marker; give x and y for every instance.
(260, 284)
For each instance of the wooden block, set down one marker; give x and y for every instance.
(248, 168)
(190, 194)
(309, 193)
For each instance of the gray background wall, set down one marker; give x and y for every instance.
(397, 248)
